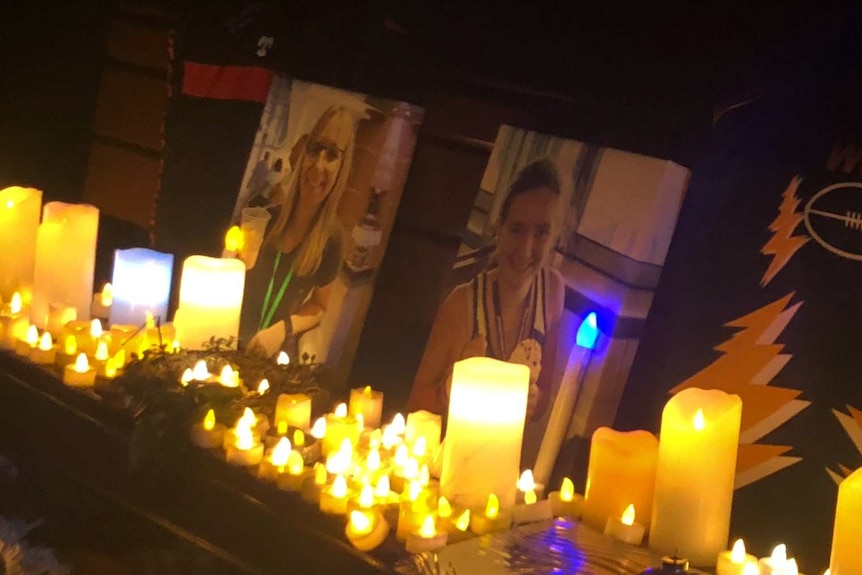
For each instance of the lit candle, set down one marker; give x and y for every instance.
(59, 316)
(621, 471)
(79, 374)
(695, 474)
(101, 356)
(19, 221)
(207, 433)
(142, 284)
(205, 312)
(100, 307)
(530, 508)
(426, 538)
(368, 403)
(44, 353)
(246, 450)
(491, 519)
(68, 353)
(458, 530)
(424, 424)
(110, 369)
(847, 531)
(733, 562)
(65, 259)
(296, 473)
(233, 241)
(282, 359)
(276, 464)
(482, 451)
(263, 386)
(14, 321)
(333, 498)
(415, 504)
(624, 528)
(366, 530)
(24, 346)
(294, 409)
(229, 377)
(565, 502)
(340, 426)
(777, 563)
(526, 484)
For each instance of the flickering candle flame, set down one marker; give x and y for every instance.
(753, 569)
(699, 422)
(81, 363)
(463, 521)
(339, 487)
(411, 469)
(567, 490)
(15, 305)
(628, 516)
(530, 497)
(413, 490)
(280, 453)
(282, 359)
(346, 448)
(419, 448)
(298, 437)
(341, 410)
(492, 508)
(244, 438)
(263, 386)
(70, 346)
(398, 424)
(96, 328)
(424, 475)
(200, 370)
(102, 351)
(295, 463)
(779, 554)
(428, 529)
(107, 296)
(444, 508)
(228, 377)
(737, 553)
(389, 437)
(367, 391)
(233, 239)
(360, 523)
(526, 482)
(318, 430)
(187, 377)
(401, 456)
(209, 420)
(110, 367)
(247, 419)
(373, 461)
(45, 342)
(281, 427)
(366, 496)
(791, 568)
(320, 474)
(32, 337)
(381, 491)
(120, 358)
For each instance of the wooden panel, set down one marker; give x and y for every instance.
(131, 108)
(122, 183)
(139, 44)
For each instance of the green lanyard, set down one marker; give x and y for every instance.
(267, 311)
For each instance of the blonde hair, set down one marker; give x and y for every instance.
(310, 249)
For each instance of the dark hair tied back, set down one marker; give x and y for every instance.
(535, 175)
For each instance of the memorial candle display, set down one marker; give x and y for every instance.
(19, 221)
(621, 471)
(695, 474)
(368, 403)
(65, 259)
(142, 283)
(210, 299)
(847, 531)
(482, 451)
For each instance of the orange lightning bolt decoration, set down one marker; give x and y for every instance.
(783, 244)
(852, 425)
(749, 362)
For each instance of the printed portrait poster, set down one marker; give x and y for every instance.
(615, 217)
(316, 205)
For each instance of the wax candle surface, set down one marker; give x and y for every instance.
(65, 259)
(425, 424)
(19, 221)
(368, 403)
(295, 409)
(847, 532)
(142, 283)
(211, 292)
(621, 471)
(482, 451)
(695, 475)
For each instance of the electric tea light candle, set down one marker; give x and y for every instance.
(624, 528)
(734, 562)
(368, 403)
(426, 538)
(79, 374)
(565, 502)
(491, 518)
(366, 530)
(530, 509)
(44, 353)
(294, 409)
(208, 434)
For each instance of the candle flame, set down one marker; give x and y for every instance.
(110, 368)
(827, 572)
(420, 447)
(382, 489)
(70, 347)
(367, 392)
(366, 496)
(339, 487)
(526, 482)
(444, 508)
(628, 516)
(281, 427)
(530, 497)
(96, 328)
(209, 420)
(15, 305)
(398, 425)
(244, 438)
(753, 569)
(298, 436)
(318, 430)
(120, 358)
(790, 568)
(414, 489)
(233, 239)
(424, 475)
(346, 448)
(373, 461)
(248, 419)
(81, 363)
(428, 529)
(341, 410)
(737, 554)
(779, 554)
(102, 351)
(32, 337)
(295, 463)
(200, 370)
(360, 421)
(106, 298)
(45, 342)
(320, 474)
(463, 521)
(492, 508)
(567, 490)
(282, 359)
(228, 377)
(281, 452)
(263, 386)
(187, 377)
(401, 456)
(389, 438)
(699, 422)
(360, 522)
(411, 469)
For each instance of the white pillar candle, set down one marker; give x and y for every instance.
(211, 292)
(482, 451)
(368, 403)
(142, 283)
(65, 259)
(847, 532)
(19, 221)
(425, 424)
(695, 474)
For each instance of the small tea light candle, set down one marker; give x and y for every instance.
(459, 529)
(624, 528)
(282, 359)
(733, 562)
(229, 377)
(14, 321)
(102, 301)
(89, 344)
(333, 498)
(208, 434)
(273, 466)
(79, 374)
(427, 537)
(777, 563)
(366, 530)
(68, 353)
(311, 489)
(565, 502)
(24, 347)
(531, 510)
(412, 508)
(340, 426)
(246, 450)
(368, 403)
(526, 484)
(295, 409)
(44, 353)
(296, 474)
(490, 519)
(101, 356)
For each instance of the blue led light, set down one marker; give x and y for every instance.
(588, 333)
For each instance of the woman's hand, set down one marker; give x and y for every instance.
(269, 340)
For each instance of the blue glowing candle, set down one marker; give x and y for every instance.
(142, 283)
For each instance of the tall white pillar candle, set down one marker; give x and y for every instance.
(482, 449)
(847, 532)
(20, 209)
(65, 259)
(211, 292)
(142, 283)
(695, 474)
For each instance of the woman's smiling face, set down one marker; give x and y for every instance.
(526, 236)
(323, 157)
